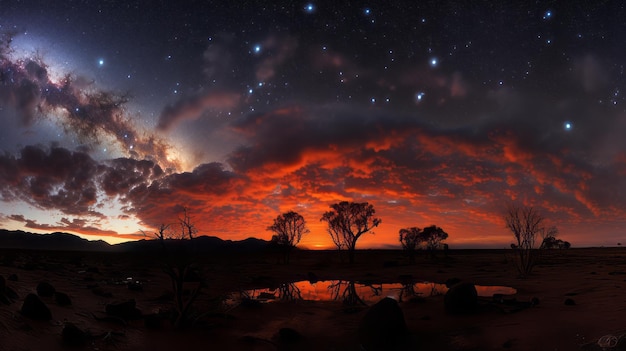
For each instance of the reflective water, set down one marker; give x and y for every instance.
(351, 292)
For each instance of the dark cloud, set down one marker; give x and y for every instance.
(76, 225)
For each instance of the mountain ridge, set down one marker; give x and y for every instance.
(60, 241)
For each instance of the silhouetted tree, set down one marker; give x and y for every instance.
(180, 267)
(187, 228)
(289, 228)
(432, 237)
(526, 223)
(347, 221)
(410, 240)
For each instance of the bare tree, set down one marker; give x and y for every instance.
(180, 267)
(410, 240)
(289, 228)
(526, 224)
(347, 221)
(187, 228)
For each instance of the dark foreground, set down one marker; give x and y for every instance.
(592, 279)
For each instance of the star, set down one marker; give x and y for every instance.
(101, 62)
(433, 62)
(309, 8)
(547, 15)
(567, 126)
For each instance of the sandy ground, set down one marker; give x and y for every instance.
(594, 278)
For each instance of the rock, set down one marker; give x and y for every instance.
(125, 310)
(289, 335)
(570, 302)
(73, 336)
(34, 308)
(12, 277)
(312, 277)
(45, 289)
(3, 284)
(383, 327)
(62, 299)
(461, 298)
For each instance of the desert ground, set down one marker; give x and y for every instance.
(220, 319)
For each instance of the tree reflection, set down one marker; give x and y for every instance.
(289, 292)
(345, 291)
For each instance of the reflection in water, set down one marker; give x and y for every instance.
(354, 293)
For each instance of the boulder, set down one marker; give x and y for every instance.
(34, 308)
(13, 277)
(461, 298)
(570, 302)
(45, 289)
(383, 327)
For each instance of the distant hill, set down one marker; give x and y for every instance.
(18, 239)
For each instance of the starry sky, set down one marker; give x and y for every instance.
(116, 115)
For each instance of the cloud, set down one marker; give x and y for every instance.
(276, 51)
(196, 106)
(64, 225)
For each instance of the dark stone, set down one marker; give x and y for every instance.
(62, 299)
(125, 310)
(383, 327)
(12, 277)
(289, 335)
(34, 308)
(45, 289)
(570, 302)
(461, 298)
(452, 282)
(312, 277)
(73, 336)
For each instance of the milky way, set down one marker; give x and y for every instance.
(116, 115)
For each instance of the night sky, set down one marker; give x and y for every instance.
(114, 115)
